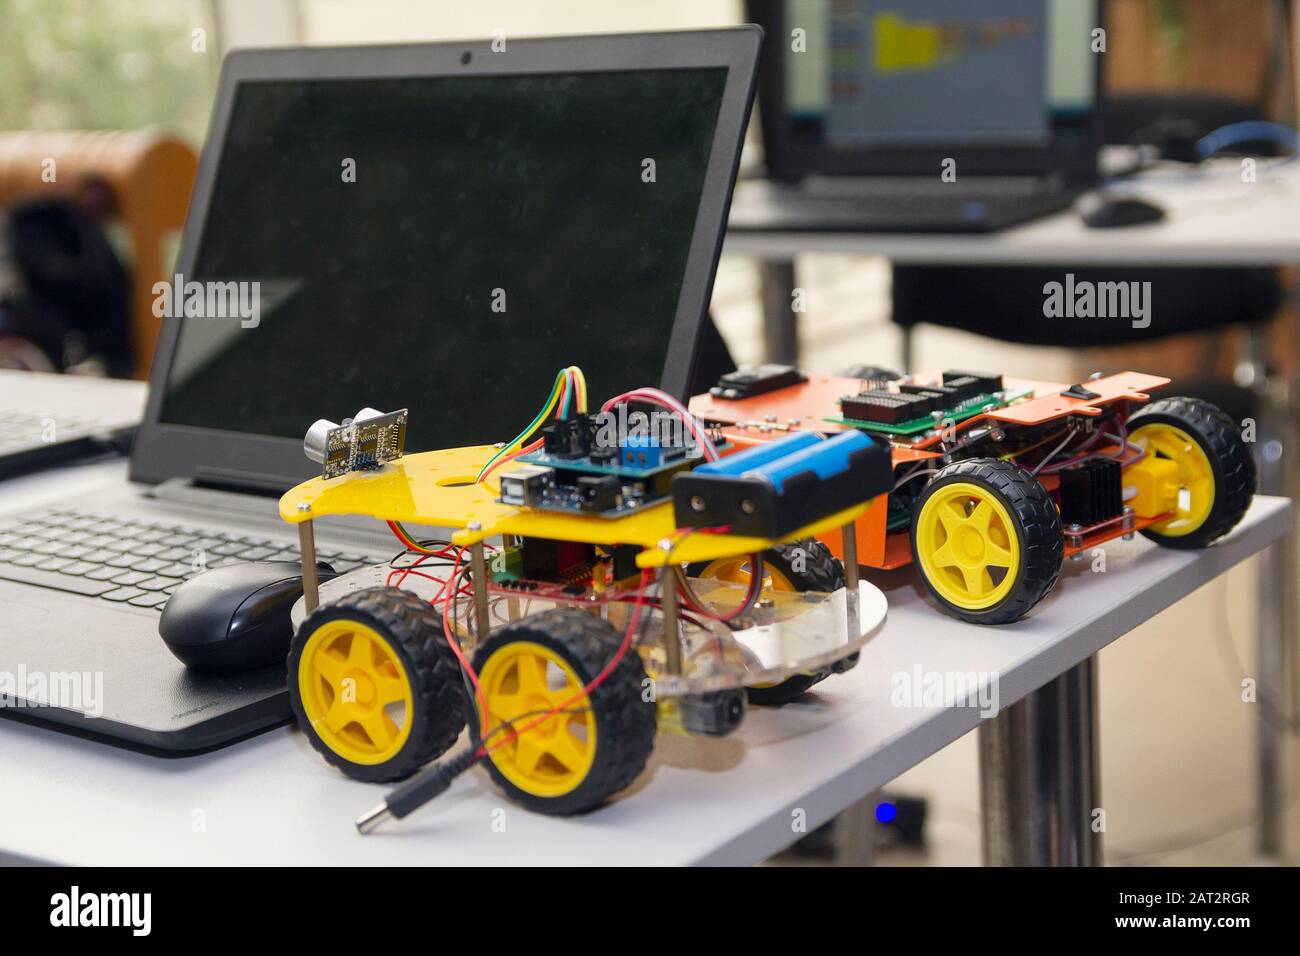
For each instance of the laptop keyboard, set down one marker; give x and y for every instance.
(128, 561)
(23, 429)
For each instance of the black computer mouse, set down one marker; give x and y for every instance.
(234, 618)
(1100, 211)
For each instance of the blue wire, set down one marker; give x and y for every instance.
(1249, 131)
(568, 393)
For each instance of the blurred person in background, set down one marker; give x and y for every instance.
(63, 291)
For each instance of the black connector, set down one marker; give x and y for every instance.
(748, 382)
(887, 408)
(963, 387)
(419, 790)
(568, 437)
(985, 382)
(598, 492)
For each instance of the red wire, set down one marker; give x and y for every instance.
(564, 390)
(527, 449)
(450, 590)
(595, 681)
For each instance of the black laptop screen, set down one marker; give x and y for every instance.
(444, 244)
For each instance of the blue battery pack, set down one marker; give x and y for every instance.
(772, 489)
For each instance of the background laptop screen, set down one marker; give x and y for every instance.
(497, 229)
(917, 73)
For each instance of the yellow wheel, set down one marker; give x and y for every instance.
(801, 566)
(374, 685)
(986, 538)
(1216, 473)
(577, 759)
(522, 680)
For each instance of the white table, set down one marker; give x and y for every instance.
(272, 800)
(1213, 218)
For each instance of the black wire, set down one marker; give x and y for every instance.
(524, 716)
(428, 557)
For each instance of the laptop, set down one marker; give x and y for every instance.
(441, 227)
(47, 419)
(923, 115)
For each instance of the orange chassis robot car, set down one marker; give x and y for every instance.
(996, 481)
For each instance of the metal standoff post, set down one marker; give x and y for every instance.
(310, 577)
(849, 542)
(672, 632)
(478, 569)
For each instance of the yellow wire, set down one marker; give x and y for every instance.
(1021, 451)
(580, 398)
(582, 387)
(523, 438)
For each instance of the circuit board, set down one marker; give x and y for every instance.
(359, 446)
(629, 496)
(579, 477)
(588, 466)
(969, 408)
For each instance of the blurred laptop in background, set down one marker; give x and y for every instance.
(922, 115)
(50, 419)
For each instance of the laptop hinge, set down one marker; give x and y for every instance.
(185, 491)
(230, 505)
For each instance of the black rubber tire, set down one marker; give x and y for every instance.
(1037, 526)
(625, 720)
(1233, 465)
(414, 629)
(821, 571)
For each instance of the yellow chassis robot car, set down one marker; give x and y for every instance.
(575, 609)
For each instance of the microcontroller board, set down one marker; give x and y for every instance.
(574, 473)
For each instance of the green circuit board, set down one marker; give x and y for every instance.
(975, 405)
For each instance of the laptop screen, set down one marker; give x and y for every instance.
(871, 78)
(443, 243)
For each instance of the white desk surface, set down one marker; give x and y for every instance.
(271, 800)
(1213, 218)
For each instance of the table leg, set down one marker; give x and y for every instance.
(1270, 673)
(1276, 458)
(780, 333)
(1040, 776)
(855, 833)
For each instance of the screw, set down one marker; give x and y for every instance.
(304, 506)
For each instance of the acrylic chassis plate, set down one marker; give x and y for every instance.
(799, 632)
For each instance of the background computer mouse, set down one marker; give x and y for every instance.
(234, 618)
(1108, 212)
